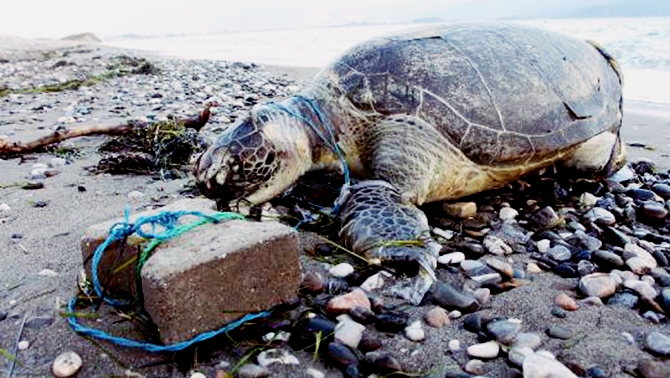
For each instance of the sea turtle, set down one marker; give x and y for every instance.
(432, 114)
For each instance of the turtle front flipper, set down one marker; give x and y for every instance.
(378, 224)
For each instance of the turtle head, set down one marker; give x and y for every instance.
(255, 159)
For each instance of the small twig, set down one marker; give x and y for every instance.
(12, 362)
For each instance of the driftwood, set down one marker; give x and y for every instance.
(8, 147)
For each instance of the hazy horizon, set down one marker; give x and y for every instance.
(57, 19)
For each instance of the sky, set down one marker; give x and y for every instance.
(59, 18)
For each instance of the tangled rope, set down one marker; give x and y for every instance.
(120, 231)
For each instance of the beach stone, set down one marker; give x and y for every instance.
(451, 258)
(191, 283)
(560, 332)
(487, 350)
(495, 246)
(276, 356)
(482, 294)
(592, 301)
(584, 241)
(471, 266)
(640, 265)
(641, 194)
(615, 236)
(341, 270)
(516, 355)
(40, 321)
(600, 285)
(545, 218)
(588, 200)
(651, 368)
(566, 302)
(437, 317)
(312, 282)
(348, 332)
(543, 245)
(454, 345)
(608, 258)
(362, 315)
(341, 355)
(198, 374)
(370, 341)
(383, 363)
(645, 290)
(449, 297)
(600, 216)
(624, 299)
(372, 283)
(507, 213)
(538, 365)
(414, 332)
(253, 371)
(504, 331)
(66, 364)
(461, 209)
(559, 253)
(585, 267)
(527, 339)
(654, 210)
(665, 297)
(346, 302)
(392, 322)
(533, 268)
(633, 250)
(475, 367)
(658, 343)
(23, 345)
(500, 266)
(123, 283)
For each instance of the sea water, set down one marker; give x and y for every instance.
(641, 45)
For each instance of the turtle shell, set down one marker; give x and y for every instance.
(500, 93)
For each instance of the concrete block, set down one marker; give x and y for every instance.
(219, 274)
(121, 283)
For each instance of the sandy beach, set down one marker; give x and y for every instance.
(40, 230)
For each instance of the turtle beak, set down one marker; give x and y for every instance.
(210, 171)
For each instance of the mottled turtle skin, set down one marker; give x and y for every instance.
(432, 114)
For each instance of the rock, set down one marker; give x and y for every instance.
(487, 279)
(588, 200)
(454, 345)
(585, 267)
(344, 303)
(348, 332)
(374, 282)
(654, 210)
(471, 267)
(23, 345)
(640, 265)
(312, 282)
(504, 331)
(487, 350)
(545, 218)
(526, 339)
(253, 371)
(256, 264)
(475, 367)
(560, 332)
(82, 38)
(518, 354)
(641, 194)
(507, 213)
(341, 355)
(198, 374)
(600, 216)
(645, 290)
(383, 363)
(415, 332)
(40, 321)
(341, 270)
(538, 366)
(276, 356)
(665, 296)
(452, 258)
(607, 258)
(532, 268)
(651, 368)
(495, 246)
(461, 209)
(624, 299)
(592, 301)
(370, 341)
(600, 285)
(615, 237)
(437, 317)
(482, 294)
(633, 250)
(543, 245)
(584, 241)
(624, 174)
(392, 322)
(559, 253)
(658, 343)
(449, 297)
(66, 364)
(34, 185)
(500, 266)
(566, 302)
(362, 315)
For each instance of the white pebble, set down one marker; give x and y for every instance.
(66, 364)
(271, 356)
(315, 373)
(446, 235)
(543, 245)
(47, 273)
(57, 162)
(341, 270)
(507, 213)
(135, 194)
(198, 374)
(4, 207)
(454, 345)
(518, 354)
(486, 350)
(374, 282)
(40, 166)
(451, 258)
(455, 314)
(415, 332)
(23, 345)
(348, 331)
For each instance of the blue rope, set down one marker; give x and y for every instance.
(120, 231)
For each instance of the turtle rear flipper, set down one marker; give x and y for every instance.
(378, 225)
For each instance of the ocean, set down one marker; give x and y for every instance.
(641, 45)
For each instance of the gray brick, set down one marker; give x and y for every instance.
(218, 274)
(122, 283)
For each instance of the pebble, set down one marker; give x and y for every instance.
(533, 268)
(448, 297)
(315, 373)
(500, 266)
(475, 367)
(516, 355)
(654, 210)
(483, 295)
(272, 356)
(40, 321)
(504, 331)
(135, 194)
(455, 314)
(559, 253)
(545, 218)
(624, 299)
(47, 273)
(560, 332)
(57, 162)
(566, 302)
(253, 371)
(608, 258)
(454, 345)
(66, 364)
(383, 363)
(538, 365)
(600, 216)
(344, 303)
(527, 339)
(495, 246)
(640, 265)
(507, 213)
(651, 368)
(645, 290)
(471, 266)
(374, 282)
(487, 350)
(415, 332)
(341, 270)
(23, 345)
(588, 200)
(4, 207)
(341, 355)
(198, 374)
(461, 209)
(451, 258)
(348, 332)
(658, 343)
(437, 317)
(392, 322)
(543, 245)
(600, 285)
